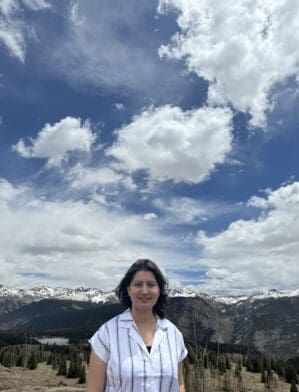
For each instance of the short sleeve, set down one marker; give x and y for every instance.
(181, 348)
(100, 343)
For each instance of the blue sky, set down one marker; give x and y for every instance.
(164, 129)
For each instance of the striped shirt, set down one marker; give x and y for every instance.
(130, 366)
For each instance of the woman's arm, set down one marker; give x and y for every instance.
(96, 374)
(181, 378)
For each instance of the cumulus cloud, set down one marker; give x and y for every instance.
(244, 49)
(73, 242)
(8, 192)
(258, 253)
(55, 142)
(13, 29)
(173, 144)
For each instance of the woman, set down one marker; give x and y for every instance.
(139, 350)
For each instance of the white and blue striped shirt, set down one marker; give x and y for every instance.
(130, 366)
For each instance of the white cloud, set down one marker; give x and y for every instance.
(244, 49)
(7, 7)
(181, 210)
(173, 144)
(119, 106)
(36, 5)
(8, 192)
(73, 242)
(82, 177)
(95, 51)
(54, 142)
(256, 254)
(112, 45)
(150, 216)
(13, 29)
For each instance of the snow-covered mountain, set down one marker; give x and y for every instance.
(44, 292)
(229, 300)
(266, 322)
(78, 294)
(96, 296)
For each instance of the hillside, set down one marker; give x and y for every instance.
(267, 324)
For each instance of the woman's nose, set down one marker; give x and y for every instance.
(144, 288)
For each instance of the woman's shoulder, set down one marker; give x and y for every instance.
(169, 324)
(107, 325)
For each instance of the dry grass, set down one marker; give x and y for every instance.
(210, 381)
(42, 379)
(252, 383)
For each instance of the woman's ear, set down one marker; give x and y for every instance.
(128, 290)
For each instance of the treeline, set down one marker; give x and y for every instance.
(225, 371)
(10, 338)
(74, 335)
(201, 368)
(69, 362)
(266, 366)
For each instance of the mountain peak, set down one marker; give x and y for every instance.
(96, 295)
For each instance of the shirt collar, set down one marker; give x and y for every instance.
(127, 320)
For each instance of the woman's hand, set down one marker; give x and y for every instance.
(96, 374)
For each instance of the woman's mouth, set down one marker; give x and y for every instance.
(144, 299)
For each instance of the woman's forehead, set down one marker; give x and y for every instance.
(144, 275)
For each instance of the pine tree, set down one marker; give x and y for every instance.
(280, 368)
(55, 363)
(71, 371)
(227, 362)
(21, 359)
(221, 365)
(293, 387)
(77, 365)
(62, 367)
(32, 362)
(263, 376)
(256, 365)
(249, 365)
(8, 359)
(238, 369)
(290, 374)
(82, 375)
(41, 354)
(87, 357)
(269, 375)
(50, 359)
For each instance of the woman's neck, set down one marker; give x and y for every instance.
(143, 317)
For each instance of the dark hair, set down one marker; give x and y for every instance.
(143, 265)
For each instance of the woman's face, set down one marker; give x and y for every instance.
(144, 291)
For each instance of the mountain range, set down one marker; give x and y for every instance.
(267, 323)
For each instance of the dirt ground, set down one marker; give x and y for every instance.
(42, 379)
